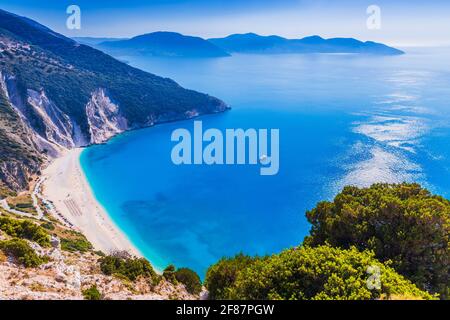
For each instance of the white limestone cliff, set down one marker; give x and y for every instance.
(104, 118)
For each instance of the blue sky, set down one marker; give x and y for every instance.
(403, 22)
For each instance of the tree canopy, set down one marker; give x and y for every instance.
(401, 223)
(190, 279)
(307, 273)
(127, 266)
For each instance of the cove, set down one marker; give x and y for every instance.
(342, 120)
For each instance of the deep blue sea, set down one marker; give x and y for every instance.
(343, 119)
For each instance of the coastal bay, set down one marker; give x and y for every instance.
(343, 120)
(175, 165)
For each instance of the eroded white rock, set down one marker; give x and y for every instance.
(104, 118)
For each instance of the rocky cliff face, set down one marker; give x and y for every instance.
(104, 117)
(58, 126)
(57, 94)
(67, 274)
(19, 154)
(18, 106)
(59, 132)
(15, 175)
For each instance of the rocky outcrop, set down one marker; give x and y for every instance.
(15, 174)
(19, 156)
(58, 126)
(67, 274)
(58, 132)
(30, 137)
(9, 87)
(104, 118)
(66, 95)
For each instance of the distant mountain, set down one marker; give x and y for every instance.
(253, 43)
(249, 42)
(57, 94)
(92, 41)
(168, 44)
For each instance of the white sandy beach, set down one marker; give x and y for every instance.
(66, 186)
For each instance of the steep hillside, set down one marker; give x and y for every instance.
(63, 94)
(18, 157)
(43, 260)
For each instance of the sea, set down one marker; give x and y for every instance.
(343, 119)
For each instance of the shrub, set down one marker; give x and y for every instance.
(48, 225)
(100, 253)
(319, 273)
(92, 293)
(190, 279)
(73, 241)
(169, 274)
(130, 268)
(402, 223)
(25, 229)
(5, 191)
(73, 245)
(221, 276)
(22, 252)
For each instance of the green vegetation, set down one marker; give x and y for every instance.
(22, 252)
(169, 274)
(221, 276)
(5, 191)
(186, 276)
(22, 202)
(25, 229)
(402, 223)
(69, 73)
(92, 293)
(20, 228)
(16, 151)
(307, 273)
(100, 253)
(73, 241)
(73, 245)
(401, 230)
(78, 70)
(190, 279)
(128, 267)
(48, 226)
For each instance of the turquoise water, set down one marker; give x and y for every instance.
(343, 119)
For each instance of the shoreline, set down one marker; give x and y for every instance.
(63, 179)
(67, 187)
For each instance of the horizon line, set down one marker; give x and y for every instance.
(399, 45)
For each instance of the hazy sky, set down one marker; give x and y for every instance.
(403, 22)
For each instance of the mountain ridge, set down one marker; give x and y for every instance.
(65, 95)
(254, 43)
(173, 46)
(163, 43)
